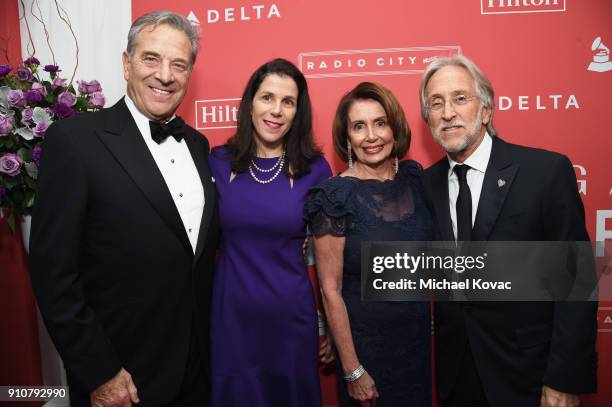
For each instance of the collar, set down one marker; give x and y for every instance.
(140, 119)
(479, 158)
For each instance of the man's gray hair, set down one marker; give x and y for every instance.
(163, 17)
(484, 89)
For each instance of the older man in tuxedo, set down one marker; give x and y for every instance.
(124, 232)
(485, 189)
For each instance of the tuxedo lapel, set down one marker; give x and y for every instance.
(124, 141)
(497, 182)
(440, 200)
(199, 156)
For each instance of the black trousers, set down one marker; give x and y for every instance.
(468, 391)
(195, 388)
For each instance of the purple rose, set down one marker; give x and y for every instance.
(40, 129)
(89, 87)
(6, 125)
(51, 68)
(67, 98)
(36, 154)
(26, 115)
(97, 100)
(15, 98)
(40, 88)
(24, 74)
(2, 192)
(61, 111)
(33, 97)
(4, 70)
(32, 61)
(58, 83)
(10, 164)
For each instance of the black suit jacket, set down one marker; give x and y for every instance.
(517, 347)
(114, 274)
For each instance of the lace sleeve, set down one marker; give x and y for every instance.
(326, 210)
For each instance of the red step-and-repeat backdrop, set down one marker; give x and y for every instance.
(548, 61)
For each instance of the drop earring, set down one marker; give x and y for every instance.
(349, 155)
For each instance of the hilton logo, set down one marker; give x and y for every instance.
(520, 6)
(216, 113)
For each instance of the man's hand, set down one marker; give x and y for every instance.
(554, 398)
(119, 391)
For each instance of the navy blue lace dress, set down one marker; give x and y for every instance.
(392, 339)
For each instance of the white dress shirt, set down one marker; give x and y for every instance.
(180, 173)
(478, 162)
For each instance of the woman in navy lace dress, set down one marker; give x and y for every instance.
(384, 347)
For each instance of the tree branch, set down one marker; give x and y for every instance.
(40, 19)
(66, 20)
(30, 40)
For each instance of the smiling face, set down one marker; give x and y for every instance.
(272, 113)
(158, 72)
(459, 129)
(369, 132)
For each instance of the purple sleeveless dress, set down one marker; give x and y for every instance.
(264, 331)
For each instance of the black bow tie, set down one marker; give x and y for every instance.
(161, 131)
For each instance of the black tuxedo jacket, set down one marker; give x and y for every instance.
(517, 347)
(114, 274)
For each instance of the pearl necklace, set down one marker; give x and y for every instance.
(269, 169)
(279, 164)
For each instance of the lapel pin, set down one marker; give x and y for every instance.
(212, 179)
(501, 182)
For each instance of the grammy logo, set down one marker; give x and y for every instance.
(601, 60)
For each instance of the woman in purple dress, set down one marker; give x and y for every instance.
(264, 331)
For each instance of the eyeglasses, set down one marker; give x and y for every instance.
(437, 104)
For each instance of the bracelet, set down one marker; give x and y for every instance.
(355, 374)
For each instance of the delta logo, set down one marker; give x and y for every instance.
(252, 12)
(550, 102)
(521, 6)
(604, 319)
(371, 62)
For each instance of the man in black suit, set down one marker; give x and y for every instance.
(485, 189)
(124, 232)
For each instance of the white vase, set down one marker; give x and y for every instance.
(52, 367)
(26, 226)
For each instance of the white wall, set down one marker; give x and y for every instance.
(101, 29)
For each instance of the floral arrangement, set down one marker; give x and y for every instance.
(28, 106)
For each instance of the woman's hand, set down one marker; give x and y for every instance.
(363, 390)
(326, 350)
